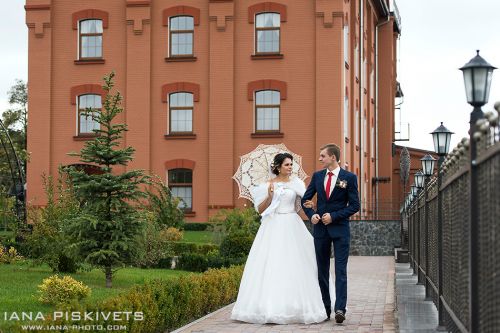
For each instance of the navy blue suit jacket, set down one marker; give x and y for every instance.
(343, 203)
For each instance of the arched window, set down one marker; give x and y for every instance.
(267, 111)
(180, 113)
(267, 33)
(180, 182)
(86, 124)
(181, 36)
(90, 39)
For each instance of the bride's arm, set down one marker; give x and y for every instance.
(263, 206)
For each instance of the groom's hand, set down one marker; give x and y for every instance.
(326, 219)
(315, 219)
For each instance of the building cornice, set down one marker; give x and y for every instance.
(381, 8)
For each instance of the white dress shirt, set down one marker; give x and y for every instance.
(334, 179)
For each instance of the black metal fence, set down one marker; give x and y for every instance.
(437, 224)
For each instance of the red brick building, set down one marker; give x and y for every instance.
(207, 81)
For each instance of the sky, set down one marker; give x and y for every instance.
(437, 38)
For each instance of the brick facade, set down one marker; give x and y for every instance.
(312, 72)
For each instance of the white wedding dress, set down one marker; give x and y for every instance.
(280, 280)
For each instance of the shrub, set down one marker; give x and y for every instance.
(240, 222)
(164, 206)
(8, 219)
(179, 248)
(193, 226)
(244, 221)
(49, 227)
(171, 234)
(196, 262)
(193, 262)
(153, 246)
(9, 256)
(56, 290)
(168, 304)
(236, 245)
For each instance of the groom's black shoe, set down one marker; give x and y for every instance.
(339, 316)
(328, 313)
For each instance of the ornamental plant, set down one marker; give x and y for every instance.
(56, 290)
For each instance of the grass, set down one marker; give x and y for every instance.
(4, 234)
(18, 284)
(201, 237)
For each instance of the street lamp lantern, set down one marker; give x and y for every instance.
(428, 165)
(419, 179)
(441, 137)
(477, 78)
(414, 190)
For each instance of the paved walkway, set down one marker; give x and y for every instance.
(370, 305)
(415, 314)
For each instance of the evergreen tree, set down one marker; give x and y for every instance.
(106, 233)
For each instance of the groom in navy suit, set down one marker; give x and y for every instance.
(337, 200)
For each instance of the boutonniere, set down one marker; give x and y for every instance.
(341, 183)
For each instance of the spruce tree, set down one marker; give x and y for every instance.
(106, 233)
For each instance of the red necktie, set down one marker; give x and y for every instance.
(328, 184)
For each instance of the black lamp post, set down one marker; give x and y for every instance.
(428, 169)
(477, 79)
(441, 137)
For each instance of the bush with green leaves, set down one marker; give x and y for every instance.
(165, 206)
(56, 290)
(166, 304)
(236, 245)
(197, 262)
(9, 256)
(8, 220)
(171, 234)
(237, 229)
(194, 226)
(153, 246)
(244, 221)
(49, 242)
(179, 248)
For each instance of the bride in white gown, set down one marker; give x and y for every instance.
(280, 280)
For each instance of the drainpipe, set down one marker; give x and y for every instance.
(376, 107)
(361, 104)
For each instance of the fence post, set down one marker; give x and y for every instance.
(475, 115)
(441, 324)
(426, 237)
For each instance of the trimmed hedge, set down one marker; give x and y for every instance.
(166, 304)
(195, 262)
(180, 248)
(193, 226)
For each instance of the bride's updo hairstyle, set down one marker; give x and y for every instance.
(278, 161)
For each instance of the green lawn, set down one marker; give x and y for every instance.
(201, 237)
(18, 284)
(5, 234)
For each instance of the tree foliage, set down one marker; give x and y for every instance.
(49, 227)
(15, 120)
(107, 230)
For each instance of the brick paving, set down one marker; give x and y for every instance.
(370, 305)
